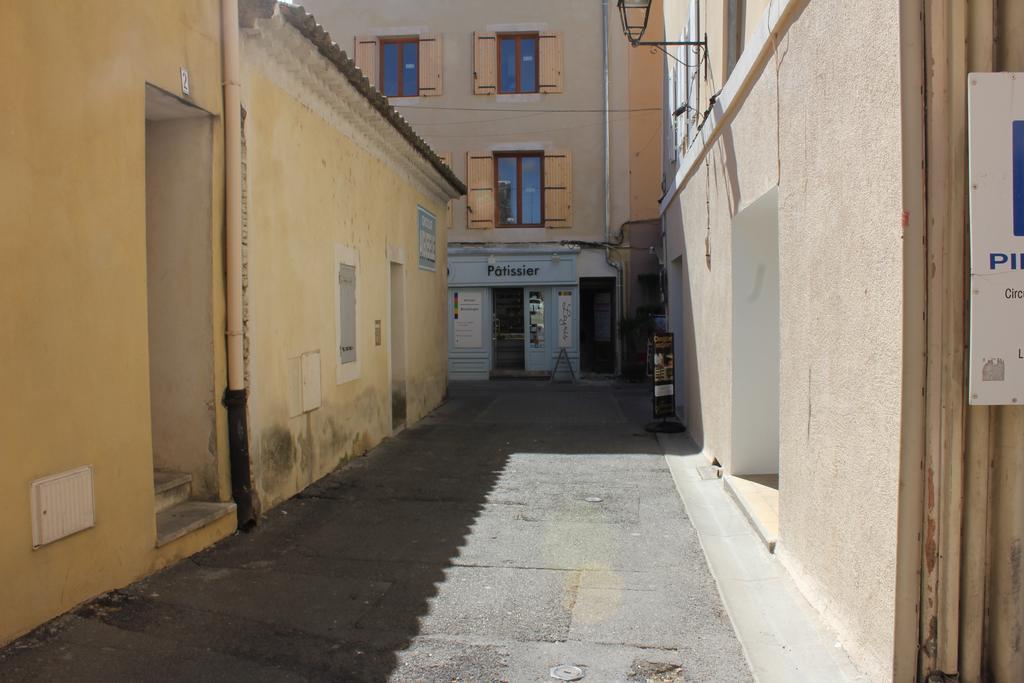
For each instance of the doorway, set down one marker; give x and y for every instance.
(597, 325)
(508, 330)
(179, 282)
(397, 339)
(755, 338)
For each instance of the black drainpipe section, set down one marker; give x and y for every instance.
(238, 446)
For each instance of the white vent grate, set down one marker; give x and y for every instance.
(62, 504)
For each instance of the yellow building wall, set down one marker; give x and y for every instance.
(309, 189)
(646, 90)
(73, 343)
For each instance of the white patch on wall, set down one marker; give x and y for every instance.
(62, 504)
(310, 381)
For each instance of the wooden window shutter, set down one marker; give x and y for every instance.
(431, 65)
(558, 190)
(551, 63)
(485, 63)
(367, 51)
(480, 190)
(446, 157)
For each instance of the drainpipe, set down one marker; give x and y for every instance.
(607, 193)
(911, 498)
(235, 395)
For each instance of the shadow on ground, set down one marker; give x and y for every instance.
(462, 549)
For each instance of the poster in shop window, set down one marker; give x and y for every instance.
(664, 375)
(467, 318)
(564, 319)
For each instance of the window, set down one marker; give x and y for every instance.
(536, 319)
(346, 307)
(400, 66)
(517, 62)
(519, 188)
(347, 313)
(515, 189)
(736, 27)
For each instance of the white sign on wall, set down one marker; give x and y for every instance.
(467, 319)
(996, 141)
(564, 319)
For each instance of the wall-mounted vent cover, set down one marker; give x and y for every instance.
(62, 504)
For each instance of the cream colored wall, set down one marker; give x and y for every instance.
(838, 172)
(73, 346)
(310, 188)
(448, 127)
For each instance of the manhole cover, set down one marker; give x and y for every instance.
(566, 672)
(592, 499)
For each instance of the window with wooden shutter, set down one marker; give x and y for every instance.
(551, 63)
(485, 64)
(431, 65)
(446, 157)
(480, 190)
(558, 190)
(367, 49)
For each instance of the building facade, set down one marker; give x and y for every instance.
(814, 232)
(120, 456)
(532, 105)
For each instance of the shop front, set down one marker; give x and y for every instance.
(512, 312)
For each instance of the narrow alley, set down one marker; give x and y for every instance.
(521, 526)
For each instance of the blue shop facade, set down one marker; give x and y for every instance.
(512, 312)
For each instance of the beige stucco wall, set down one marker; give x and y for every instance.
(838, 171)
(73, 346)
(311, 188)
(570, 120)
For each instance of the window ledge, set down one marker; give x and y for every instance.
(518, 97)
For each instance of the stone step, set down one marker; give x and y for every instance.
(171, 488)
(184, 518)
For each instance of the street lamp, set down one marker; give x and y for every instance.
(635, 15)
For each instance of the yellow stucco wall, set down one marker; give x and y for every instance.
(310, 188)
(73, 345)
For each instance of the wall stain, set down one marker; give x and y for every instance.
(277, 457)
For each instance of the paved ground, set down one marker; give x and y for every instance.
(465, 549)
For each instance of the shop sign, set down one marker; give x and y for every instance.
(427, 223)
(664, 375)
(467, 319)
(996, 141)
(510, 270)
(565, 319)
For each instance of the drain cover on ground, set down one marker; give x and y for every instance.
(566, 672)
(593, 499)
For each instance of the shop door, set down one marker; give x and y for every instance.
(508, 332)
(597, 325)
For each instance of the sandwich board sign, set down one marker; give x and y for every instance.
(664, 375)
